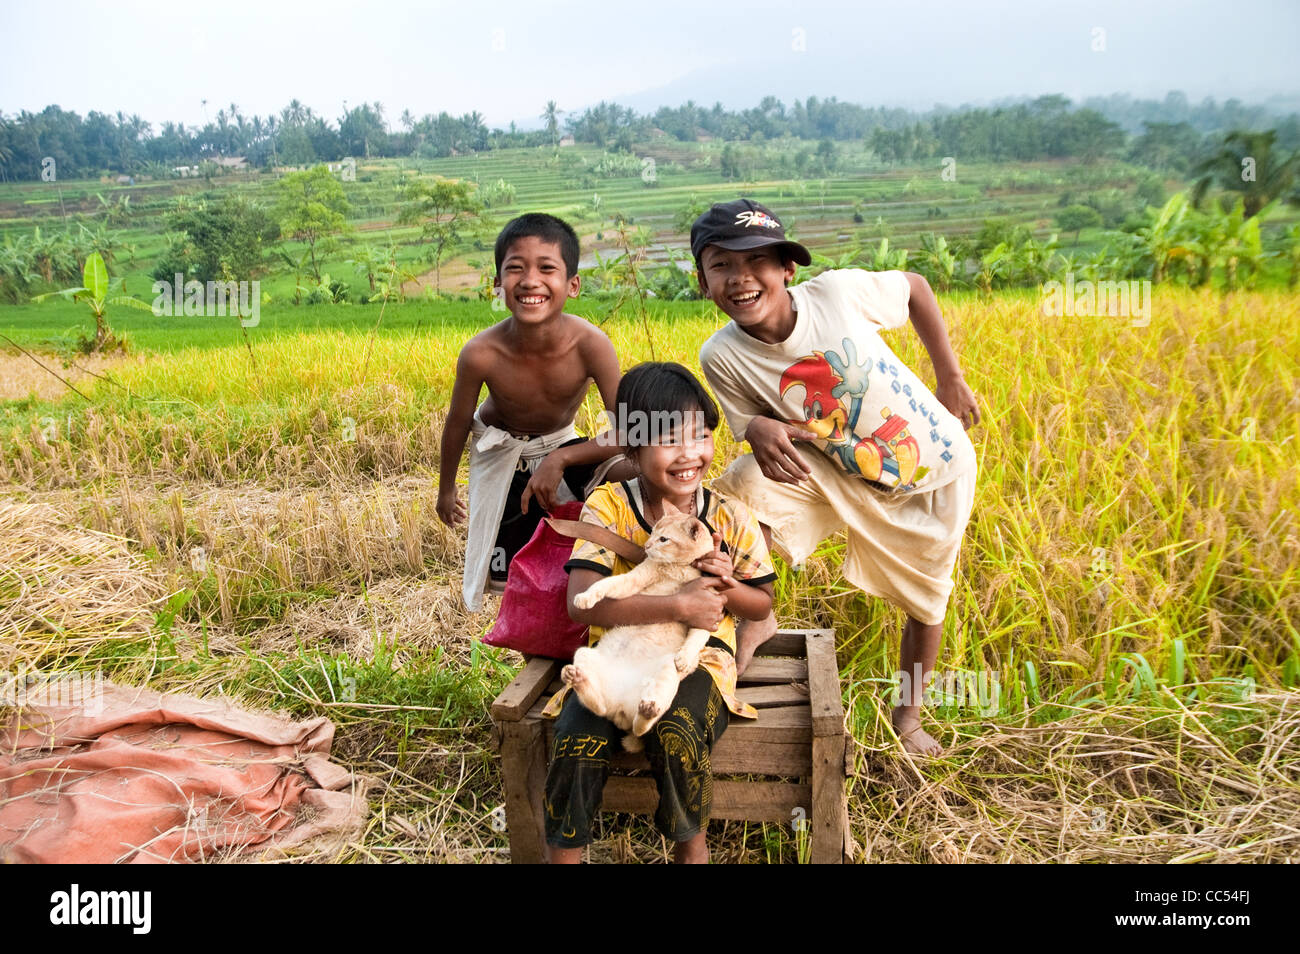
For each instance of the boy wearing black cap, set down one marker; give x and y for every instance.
(888, 459)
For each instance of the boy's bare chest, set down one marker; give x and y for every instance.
(537, 393)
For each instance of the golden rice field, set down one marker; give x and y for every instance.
(262, 525)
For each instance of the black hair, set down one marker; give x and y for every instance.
(545, 227)
(657, 386)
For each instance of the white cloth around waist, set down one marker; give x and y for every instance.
(494, 456)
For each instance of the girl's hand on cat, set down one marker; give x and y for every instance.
(716, 563)
(700, 605)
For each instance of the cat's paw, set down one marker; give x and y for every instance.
(685, 662)
(586, 599)
(648, 709)
(571, 675)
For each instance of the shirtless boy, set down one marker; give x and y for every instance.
(537, 365)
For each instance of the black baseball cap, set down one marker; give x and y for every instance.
(741, 225)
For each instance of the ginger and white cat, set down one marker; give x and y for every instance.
(631, 675)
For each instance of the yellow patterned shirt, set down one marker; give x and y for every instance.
(618, 507)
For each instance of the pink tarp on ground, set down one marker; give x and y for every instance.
(158, 778)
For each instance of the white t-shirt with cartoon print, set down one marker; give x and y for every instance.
(835, 376)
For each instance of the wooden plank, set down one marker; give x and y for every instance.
(732, 800)
(779, 724)
(824, 684)
(735, 756)
(784, 642)
(829, 802)
(764, 697)
(524, 755)
(774, 669)
(516, 698)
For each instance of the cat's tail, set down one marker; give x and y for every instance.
(633, 743)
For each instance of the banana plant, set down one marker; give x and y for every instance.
(1098, 262)
(367, 260)
(1032, 259)
(1165, 236)
(392, 277)
(299, 265)
(940, 264)
(886, 260)
(108, 242)
(94, 291)
(114, 212)
(16, 273)
(53, 256)
(994, 266)
(1242, 250)
(1290, 252)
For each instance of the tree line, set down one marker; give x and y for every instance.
(1172, 134)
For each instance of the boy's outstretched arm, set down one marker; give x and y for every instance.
(951, 388)
(601, 362)
(455, 432)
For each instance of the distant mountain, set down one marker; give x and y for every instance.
(895, 66)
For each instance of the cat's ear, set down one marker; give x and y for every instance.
(669, 508)
(695, 530)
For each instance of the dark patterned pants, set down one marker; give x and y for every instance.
(678, 748)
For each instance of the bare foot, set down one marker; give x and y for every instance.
(914, 738)
(750, 634)
(692, 851)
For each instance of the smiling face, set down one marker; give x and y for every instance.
(749, 287)
(673, 467)
(534, 280)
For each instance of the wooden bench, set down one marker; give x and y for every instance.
(797, 746)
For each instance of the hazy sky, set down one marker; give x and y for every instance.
(506, 59)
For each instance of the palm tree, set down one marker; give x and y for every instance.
(552, 117)
(6, 154)
(295, 113)
(1274, 174)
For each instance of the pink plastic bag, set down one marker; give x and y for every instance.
(534, 614)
